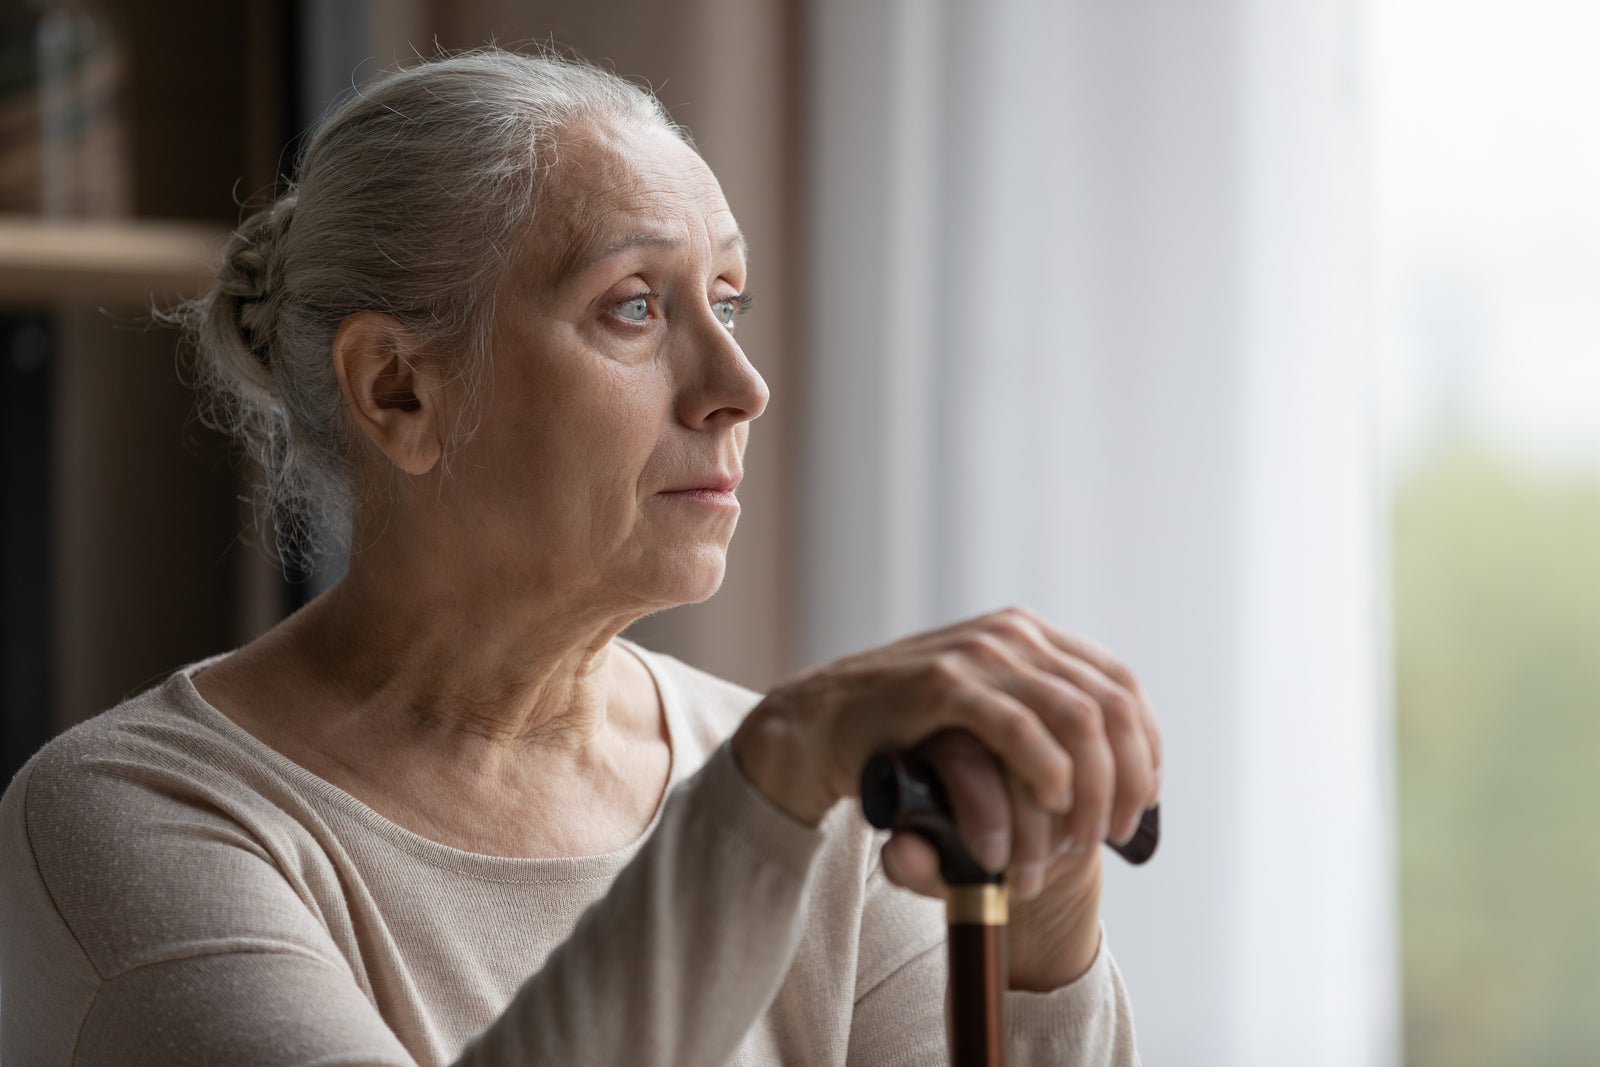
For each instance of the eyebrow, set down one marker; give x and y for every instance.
(584, 255)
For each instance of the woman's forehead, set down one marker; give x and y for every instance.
(613, 192)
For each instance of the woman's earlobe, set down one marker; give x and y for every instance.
(393, 396)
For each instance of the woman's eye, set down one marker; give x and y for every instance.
(634, 310)
(727, 308)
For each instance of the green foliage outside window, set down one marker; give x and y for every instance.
(1497, 630)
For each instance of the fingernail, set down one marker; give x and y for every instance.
(992, 850)
(1067, 844)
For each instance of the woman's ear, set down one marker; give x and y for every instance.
(394, 397)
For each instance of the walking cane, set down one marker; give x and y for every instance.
(901, 792)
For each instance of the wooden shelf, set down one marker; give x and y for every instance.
(119, 262)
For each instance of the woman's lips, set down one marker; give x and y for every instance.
(717, 490)
(717, 497)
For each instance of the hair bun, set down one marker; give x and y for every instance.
(251, 276)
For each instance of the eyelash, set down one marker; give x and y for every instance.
(742, 300)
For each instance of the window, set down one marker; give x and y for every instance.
(1489, 225)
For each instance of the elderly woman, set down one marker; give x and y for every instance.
(444, 813)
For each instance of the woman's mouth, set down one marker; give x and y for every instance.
(713, 491)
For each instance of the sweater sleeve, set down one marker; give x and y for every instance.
(144, 926)
(900, 1003)
(189, 945)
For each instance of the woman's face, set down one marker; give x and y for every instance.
(618, 401)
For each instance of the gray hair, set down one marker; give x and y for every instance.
(412, 197)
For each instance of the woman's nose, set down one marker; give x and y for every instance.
(720, 386)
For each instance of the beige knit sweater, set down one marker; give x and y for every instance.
(173, 891)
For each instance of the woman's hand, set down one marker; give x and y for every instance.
(1054, 928)
(1044, 741)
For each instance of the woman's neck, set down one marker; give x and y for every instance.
(442, 656)
(463, 716)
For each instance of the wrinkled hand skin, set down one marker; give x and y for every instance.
(1045, 742)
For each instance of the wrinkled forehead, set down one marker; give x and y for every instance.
(612, 183)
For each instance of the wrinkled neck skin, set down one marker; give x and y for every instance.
(492, 716)
(451, 651)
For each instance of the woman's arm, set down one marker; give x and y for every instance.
(141, 925)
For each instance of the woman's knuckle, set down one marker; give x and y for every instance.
(1021, 613)
(981, 647)
(1120, 673)
(1078, 712)
(1118, 706)
(1012, 625)
(942, 672)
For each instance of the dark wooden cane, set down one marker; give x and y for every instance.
(901, 792)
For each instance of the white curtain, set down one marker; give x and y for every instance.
(1088, 323)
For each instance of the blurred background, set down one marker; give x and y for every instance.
(1256, 339)
(1484, 128)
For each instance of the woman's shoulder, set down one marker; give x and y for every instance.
(115, 827)
(157, 771)
(163, 730)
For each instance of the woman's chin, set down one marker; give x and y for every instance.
(689, 577)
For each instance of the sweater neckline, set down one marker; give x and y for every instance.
(598, 866)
